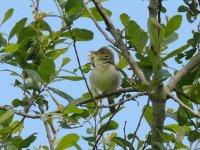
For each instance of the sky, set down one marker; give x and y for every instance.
(136, 9)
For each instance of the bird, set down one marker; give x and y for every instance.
(104, 77)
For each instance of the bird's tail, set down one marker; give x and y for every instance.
(111, 101)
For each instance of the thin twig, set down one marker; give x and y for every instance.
(124, 128)
(97, 25)
(6, 108)
(139, 122)
(119, 102)
(130, 89)
(76, 52)
(183, 105)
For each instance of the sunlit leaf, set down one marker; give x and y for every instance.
(35, 77)
(11, 48)
(123, 143)
(96, 14)
(67, 141)
(124, 19)
(16, 126)
(27, 142)
(79, 34)
(6, 115)
(47, 69)
(72, 78)
(173, 24)
(176, 52)
(61, 93)
(111, 126)
(17, 28)
(7, 15)
(65, 61)
(25, 33)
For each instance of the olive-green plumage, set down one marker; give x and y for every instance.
(104, 77)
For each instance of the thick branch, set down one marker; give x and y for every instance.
(119, 42)
(194, 62)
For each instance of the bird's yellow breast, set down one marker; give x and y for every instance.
(105, 78)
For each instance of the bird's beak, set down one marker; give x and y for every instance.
(92, 54)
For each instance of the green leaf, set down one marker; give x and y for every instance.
(111, 126)
(72, 109)
(182, 8)
(25, 33)
(170, 39)
(16, 103)
(17, 126)
(79, 34)
(175, 128)
(193, 136)
(65, 61)
(55, 53)
(176, 52)
(122, 63)
(74, 9)
(133, 31)
(44, 25)
(71, 4)
(72, 78)
(61, 93)
(122, 143)
(6, 115)
(96, 14)
(148, 115)
(35, 77)
(153, 27)
(17, 28)
(67, 141)
(7, 15)
(153, 59)
(27, 142)
(124, 19)
(162, 75)
(173, 24)
(142, 41)
(89, 139)
(47, 70)
(11, 48)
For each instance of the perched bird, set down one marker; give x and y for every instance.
(104, 77)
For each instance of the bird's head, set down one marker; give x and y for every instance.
(101, 56)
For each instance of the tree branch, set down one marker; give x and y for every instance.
(121, 101)
(119, 42)
(6, 107)
(129, 89)
(176, 99)
(97, 25)
(194, 62)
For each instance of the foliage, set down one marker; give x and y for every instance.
(35, 53)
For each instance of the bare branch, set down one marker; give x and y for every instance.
(130, 89)
(97, 25)
(119, 42)
(121, 101)
(194, 62)
(183, 105)
(139, 122)
(6, 107)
